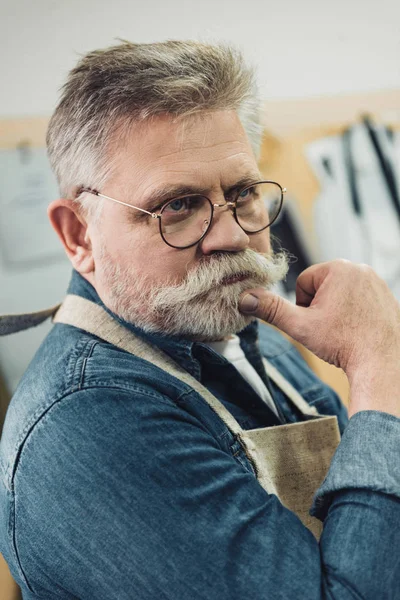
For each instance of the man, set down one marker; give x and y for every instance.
(123, 476)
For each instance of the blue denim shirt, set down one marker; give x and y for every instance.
(120, 482)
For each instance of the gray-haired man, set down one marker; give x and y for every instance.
(164, 443)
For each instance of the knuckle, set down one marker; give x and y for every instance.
(342, 263)
(339, 266)
(299, 330)
(365, 268)
(272, 309)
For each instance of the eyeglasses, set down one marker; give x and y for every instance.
(184, 221)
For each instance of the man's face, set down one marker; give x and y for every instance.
(137, 275)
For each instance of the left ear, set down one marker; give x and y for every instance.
(72, 229)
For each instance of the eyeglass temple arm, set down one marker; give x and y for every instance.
(153, 215)
(96, 193)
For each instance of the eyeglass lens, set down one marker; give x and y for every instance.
(258, 206)
(184, 221)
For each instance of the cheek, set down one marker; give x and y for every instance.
(261, 242)
(160, 264)
(170, 265)
(141, 251)
(135, 249)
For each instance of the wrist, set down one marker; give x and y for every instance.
(375, 386)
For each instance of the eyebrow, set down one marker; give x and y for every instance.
(158, 197)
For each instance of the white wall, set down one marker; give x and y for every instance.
(302, 48)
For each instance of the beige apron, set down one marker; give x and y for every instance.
(290, 461)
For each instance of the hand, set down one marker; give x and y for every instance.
(347, 316)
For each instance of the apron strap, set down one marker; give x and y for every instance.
(289, 390)
(14, 323)
(90, 317)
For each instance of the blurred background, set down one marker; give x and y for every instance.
(329, 75)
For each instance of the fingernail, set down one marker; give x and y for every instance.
(248, 303)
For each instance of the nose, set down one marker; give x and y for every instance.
(225, 234)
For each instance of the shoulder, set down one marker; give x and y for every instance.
(69, 362)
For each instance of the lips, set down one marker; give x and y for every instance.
(235, 278)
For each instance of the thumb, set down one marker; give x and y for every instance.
(275, 310)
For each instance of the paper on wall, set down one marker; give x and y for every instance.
(27, 186)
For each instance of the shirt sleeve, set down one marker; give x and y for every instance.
(121, 494)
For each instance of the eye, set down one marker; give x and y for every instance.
(182, 205)
(245, 193)
(177, 205)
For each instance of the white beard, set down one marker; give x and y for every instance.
(201, 307)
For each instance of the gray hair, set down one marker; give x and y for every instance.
(113, 88)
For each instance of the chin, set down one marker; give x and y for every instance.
(204, 325)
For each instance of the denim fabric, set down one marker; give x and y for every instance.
(120, 482)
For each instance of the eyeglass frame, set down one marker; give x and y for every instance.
(231, 204)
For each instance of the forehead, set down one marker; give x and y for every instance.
(207, 149)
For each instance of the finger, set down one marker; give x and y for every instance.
(310, 280)
(275, 310)
(303, 297)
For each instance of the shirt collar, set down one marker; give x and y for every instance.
(185, 352)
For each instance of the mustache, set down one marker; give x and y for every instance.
(211, 271)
